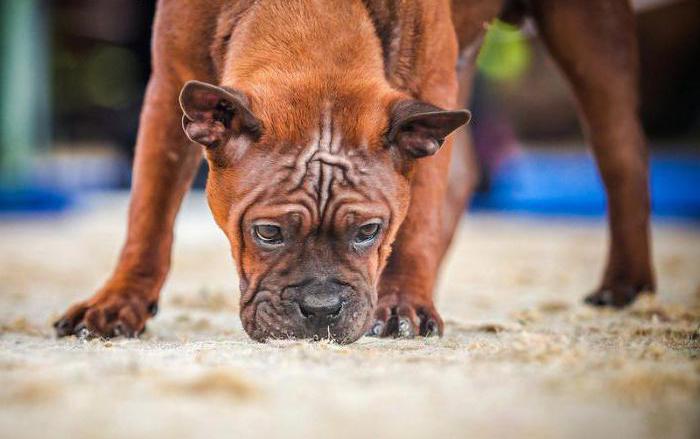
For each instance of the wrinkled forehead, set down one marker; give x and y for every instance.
(327, 178)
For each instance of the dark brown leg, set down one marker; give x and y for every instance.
(464, 169)
(594, 43)
(165, 164)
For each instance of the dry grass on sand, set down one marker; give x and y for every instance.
(521, 355)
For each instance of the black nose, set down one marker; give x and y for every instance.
(320, 305)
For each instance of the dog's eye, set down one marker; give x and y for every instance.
(268, 233)
(367, 233)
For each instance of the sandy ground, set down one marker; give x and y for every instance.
(521, 355)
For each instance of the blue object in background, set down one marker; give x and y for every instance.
(56, 182)
(569, 184)
(34, 200)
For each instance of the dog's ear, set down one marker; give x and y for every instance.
(419, 129)
(212, 115)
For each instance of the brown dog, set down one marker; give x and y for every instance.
(321, 138)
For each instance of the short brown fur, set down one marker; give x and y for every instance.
(325, 84)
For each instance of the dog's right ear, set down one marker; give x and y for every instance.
(212, 114)
(419, 129)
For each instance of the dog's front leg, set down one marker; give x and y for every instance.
(405, 305)
(164, 166)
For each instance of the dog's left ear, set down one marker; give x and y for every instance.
(212, 114)
(419, 128)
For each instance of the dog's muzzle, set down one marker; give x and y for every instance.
(314, 309)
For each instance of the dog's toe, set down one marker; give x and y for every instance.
(405, 328)
(66, 325)
(376, 329)
(429, 328)
(63, 327)
(599, 298)
(82, 332)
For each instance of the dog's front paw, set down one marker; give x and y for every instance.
(617, 296)
(405, 317)
(107, 315)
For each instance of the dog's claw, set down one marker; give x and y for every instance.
(431, 328)
(600, 298)
(404, 329)
(119, 329)
(63, 327)
(82, 332)
(376, 329)
(153, 309)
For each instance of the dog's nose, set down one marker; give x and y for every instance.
(320, 305)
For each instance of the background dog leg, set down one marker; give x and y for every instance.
(464, 168)
(594, 43)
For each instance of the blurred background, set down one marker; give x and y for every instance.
(73, 74)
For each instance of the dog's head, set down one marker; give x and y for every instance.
(311, 199)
